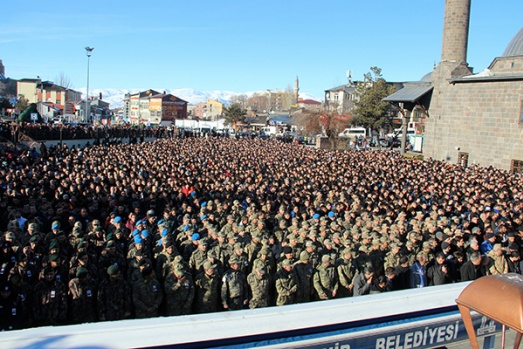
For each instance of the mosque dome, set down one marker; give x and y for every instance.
(515, 46)
(427, 77)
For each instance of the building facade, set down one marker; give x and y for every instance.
(139, 106)
(199, 109)
(166, 108)
(341, 98)
(475, 118)
(213, 110)
(52, 100)
(310, 104)
(153, 108)
(35, 90)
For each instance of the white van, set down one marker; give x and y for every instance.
(353, 132)
(399, 132)
(269, 130)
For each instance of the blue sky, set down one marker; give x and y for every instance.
(238, 45)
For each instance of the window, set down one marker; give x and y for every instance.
(521, 112)
(516, 166)
(463, 159)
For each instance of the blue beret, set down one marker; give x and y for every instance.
(117, 219)
(138, 239)
(136, 232)
(145, 233)
(164, 232)
(316, 216)
(161, 221)
(195, 236)
(55, 226)
(331, 214)
(203, 204)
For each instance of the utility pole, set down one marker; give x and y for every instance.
(88, 52)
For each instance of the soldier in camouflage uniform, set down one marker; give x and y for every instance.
(253, 248)
(147, 295)
(243, 260)
(207, 290)
(347, 271)
(286, 284)
(234, 293)
(82, 292)
(50, 300)
(220, 247)
(179, 292)
(304, 274)
(392, 259)
(259, 288)
(198, 256)
(10, 308)
(227, 228)
(314, 257)
(325, 279)
(114, 297)
(82, 261)
(24, 293)
(111, 256)
(164, 259)
(265, 261)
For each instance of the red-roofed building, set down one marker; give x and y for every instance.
(309, 104)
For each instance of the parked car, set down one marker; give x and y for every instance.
(248, 133)
(286, 137)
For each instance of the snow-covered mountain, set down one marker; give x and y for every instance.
(116, 96)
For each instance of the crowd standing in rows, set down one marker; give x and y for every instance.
(196, 225)
(17, 132)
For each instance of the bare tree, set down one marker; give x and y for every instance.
(327, 122)
(288, 98)
(258, 102)
(63, 80)
(241, 100)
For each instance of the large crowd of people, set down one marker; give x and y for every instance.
(195, 225)
(18, 132)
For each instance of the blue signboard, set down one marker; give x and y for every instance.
(437, 334)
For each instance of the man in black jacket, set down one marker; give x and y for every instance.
(473, 268)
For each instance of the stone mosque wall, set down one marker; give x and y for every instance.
(481, 118)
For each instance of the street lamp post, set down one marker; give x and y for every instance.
(88, 52)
